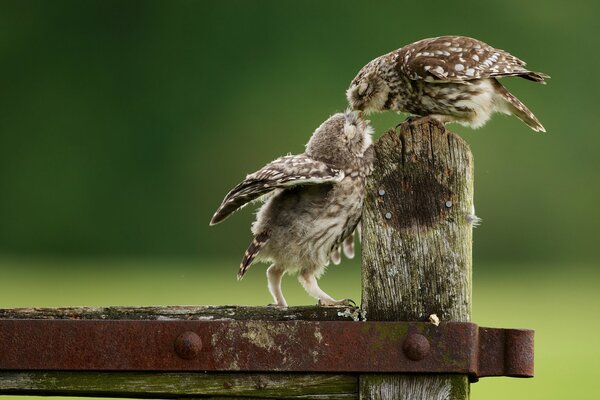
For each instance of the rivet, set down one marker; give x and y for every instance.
(448, 204)
(388, 215)
(416, 346)
(381, 192)
(188, 345)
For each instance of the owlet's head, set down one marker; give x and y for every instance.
(340, 139)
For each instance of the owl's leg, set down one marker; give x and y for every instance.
(413, 119)
(435, 118)
(309, 283)
(274, 276)
(444, 119)
(410, 119)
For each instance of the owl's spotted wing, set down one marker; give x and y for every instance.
(459, 59)
(283, 172)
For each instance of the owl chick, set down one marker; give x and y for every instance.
(449, 78)
(312, 205)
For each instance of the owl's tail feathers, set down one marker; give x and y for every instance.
(255, 247)
(538, 77)
(519, 109)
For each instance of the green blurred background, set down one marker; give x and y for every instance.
(124, 123)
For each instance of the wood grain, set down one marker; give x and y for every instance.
(172, 385)
(417, 244)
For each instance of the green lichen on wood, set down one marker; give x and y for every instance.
(460, 387)
(315, 397)
(169, 385)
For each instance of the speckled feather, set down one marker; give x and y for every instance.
(313, 207)
(450, 78)
(458, 58)
(255, 247)
(284, 171)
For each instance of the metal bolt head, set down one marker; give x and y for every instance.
(188, 345)
(448, 204)
(381, 192)
(388, 215)
(416, 346)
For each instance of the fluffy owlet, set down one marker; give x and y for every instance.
(449, 78)
(312, 205)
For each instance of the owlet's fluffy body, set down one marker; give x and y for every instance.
(449, 78)
(313, 203)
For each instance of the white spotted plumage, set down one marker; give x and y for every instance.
(450, 78)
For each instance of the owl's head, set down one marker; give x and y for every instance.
(340, 139)
(368, 91)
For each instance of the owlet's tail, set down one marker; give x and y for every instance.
(255, 247)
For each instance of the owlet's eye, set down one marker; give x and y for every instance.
(362, 88)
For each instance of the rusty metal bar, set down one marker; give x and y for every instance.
(258, 346)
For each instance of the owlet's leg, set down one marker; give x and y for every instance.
(309, 282)
(274, 276)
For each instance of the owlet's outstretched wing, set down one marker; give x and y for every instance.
(283, 172)
(459, 59)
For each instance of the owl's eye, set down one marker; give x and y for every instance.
(362, 88)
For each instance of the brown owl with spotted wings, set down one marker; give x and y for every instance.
(449, 78)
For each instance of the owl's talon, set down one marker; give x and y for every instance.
(349, 303)
(411, 119)
(337, 303)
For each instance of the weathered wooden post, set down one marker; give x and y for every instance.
(417, 244)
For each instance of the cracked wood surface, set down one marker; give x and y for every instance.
(417, 245)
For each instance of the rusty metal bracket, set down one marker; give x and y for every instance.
(258, 346)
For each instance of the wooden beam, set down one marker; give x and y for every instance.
(417, 245)
(203, 313)
(175, 385)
